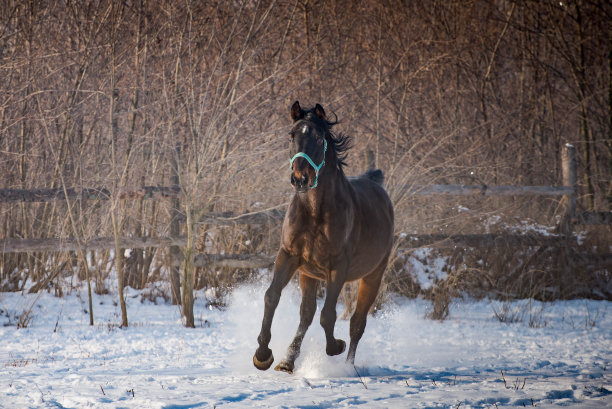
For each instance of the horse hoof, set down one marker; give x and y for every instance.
(284, 366)
(265, 364)
(340, 348)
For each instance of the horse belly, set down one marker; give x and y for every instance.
(362, 265)
(373, 247)
(312, 271)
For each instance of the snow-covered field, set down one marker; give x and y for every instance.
(404, 361)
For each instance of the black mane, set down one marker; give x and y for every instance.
(339, 143)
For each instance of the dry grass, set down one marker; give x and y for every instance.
(105, 104)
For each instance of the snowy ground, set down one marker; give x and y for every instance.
(59, 361)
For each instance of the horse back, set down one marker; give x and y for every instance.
(374, 219)
(375, 175)
(371, 197)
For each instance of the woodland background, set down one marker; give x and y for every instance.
(100, 93)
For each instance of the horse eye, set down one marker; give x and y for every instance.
(319, 141)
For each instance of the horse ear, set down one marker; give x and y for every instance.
(296, 111)
(320, 112)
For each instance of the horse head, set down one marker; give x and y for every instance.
(308, 147)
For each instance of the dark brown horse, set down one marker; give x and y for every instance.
(336, 230)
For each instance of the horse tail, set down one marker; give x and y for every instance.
(375, 175)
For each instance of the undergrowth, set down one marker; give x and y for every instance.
(535, 273)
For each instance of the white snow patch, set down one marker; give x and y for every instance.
(403, 359)
(426, 269)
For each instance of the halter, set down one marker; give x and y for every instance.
(316, 168)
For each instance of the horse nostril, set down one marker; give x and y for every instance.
(299, 181)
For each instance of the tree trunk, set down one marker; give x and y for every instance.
(188, 270)
(175, 281)
(115, 207)
(584, 123)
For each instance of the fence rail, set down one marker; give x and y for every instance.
(592, 218)
(59, 194)
(12, 245)
(161, 192)
(568, 191)
(484, 190)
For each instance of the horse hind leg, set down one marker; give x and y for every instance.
(368, 290)
(308, 308)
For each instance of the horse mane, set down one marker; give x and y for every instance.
(339, 143)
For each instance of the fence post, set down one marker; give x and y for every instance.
(568, 159)
(175, 252)
(369, 159)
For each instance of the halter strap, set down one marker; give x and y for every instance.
(315, 167)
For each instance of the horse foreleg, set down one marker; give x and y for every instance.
(368, 289)
(307, 312)
(284, 267)
(328, 315)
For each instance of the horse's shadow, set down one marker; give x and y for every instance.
(416, 374)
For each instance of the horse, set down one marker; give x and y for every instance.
(336, 229)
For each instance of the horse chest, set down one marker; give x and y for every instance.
(315, 249)
(317, 238)
(313, 246)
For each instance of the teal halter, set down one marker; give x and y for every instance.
(316, 168)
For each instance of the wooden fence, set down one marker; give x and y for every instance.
(21, 245)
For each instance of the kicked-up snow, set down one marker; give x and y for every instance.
(553, 355)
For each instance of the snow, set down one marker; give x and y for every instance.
(404, 360)
(427, 269)
(524, 227)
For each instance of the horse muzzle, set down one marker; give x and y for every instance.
(300, 181)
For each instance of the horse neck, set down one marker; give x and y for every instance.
(332, 184)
